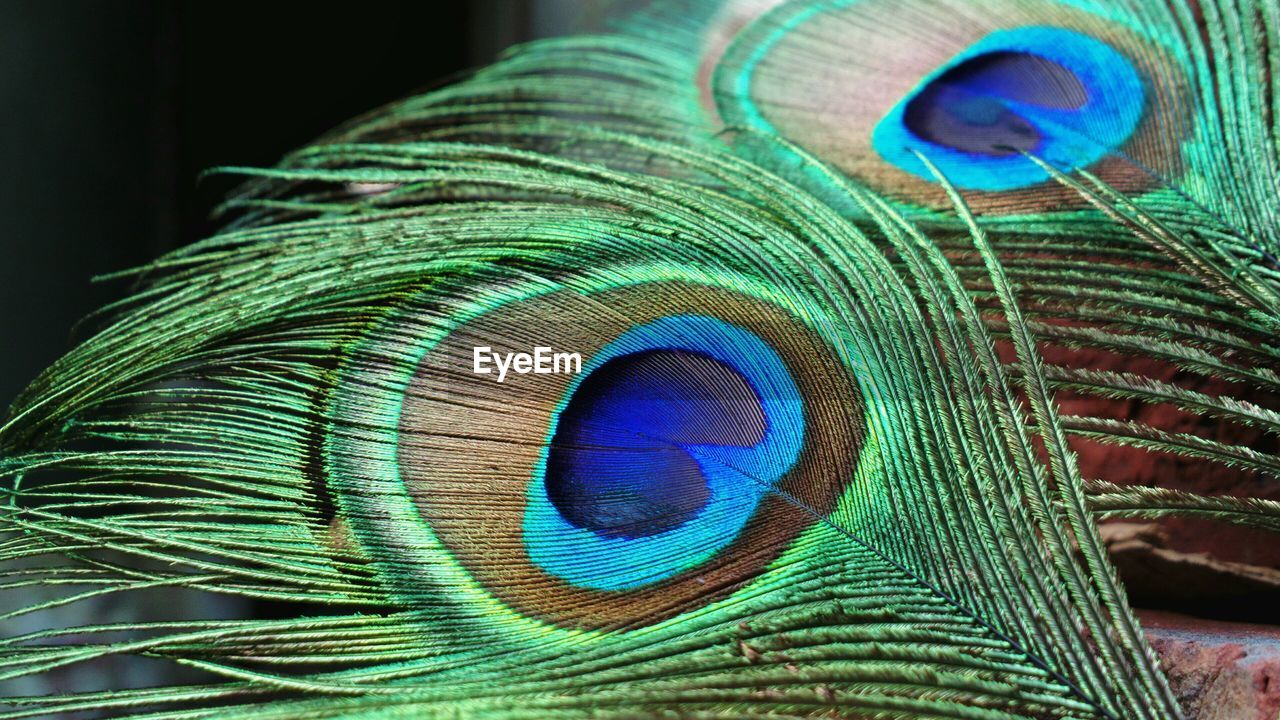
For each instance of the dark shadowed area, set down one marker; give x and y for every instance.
(111, 111)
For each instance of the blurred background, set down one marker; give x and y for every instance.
(109, 112)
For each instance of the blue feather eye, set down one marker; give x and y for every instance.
(1059, 95)
(975, 86)
(708, 427)
(662, 454)
(621, 462)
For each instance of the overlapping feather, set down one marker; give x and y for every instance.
(188, 444)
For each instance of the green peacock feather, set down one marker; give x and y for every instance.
(830, 268)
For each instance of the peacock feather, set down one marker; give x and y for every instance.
(835, 272)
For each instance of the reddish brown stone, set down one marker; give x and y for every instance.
(1218, 670)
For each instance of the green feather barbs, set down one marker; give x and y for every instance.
(798, 476)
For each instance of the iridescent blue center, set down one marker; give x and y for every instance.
(621, 463)
(967, 108)
(1059, 95)
(661, 452)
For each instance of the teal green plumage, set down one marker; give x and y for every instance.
(868, 501)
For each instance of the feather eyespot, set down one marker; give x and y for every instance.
(707, 429)
(868, 86)
(662, 453)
